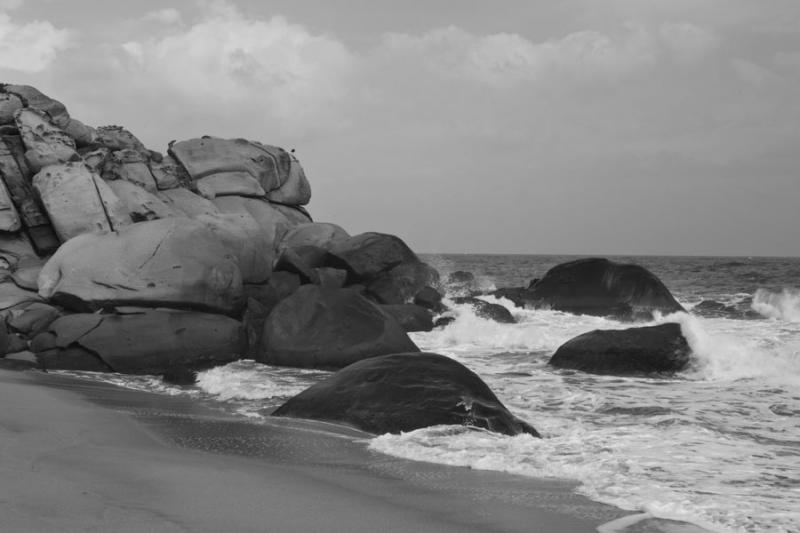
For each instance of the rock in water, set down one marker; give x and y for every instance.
(404, 392)
(329, 328)
(410, 316)
(173, 262)
(487, 310)
(601, 287)
(645, 350)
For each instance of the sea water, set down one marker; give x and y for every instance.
(717, 445)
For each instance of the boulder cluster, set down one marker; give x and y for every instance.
(118, 258)
(115, 257)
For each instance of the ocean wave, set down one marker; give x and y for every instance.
(783, 305)
(729, 350)
(248, 380)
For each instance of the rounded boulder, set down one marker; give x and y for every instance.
(403, 392)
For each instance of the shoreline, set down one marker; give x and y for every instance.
(86, 456)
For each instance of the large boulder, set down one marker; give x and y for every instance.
(601, 287)
(152, 342)
(139, 203)
(402, 283)
(45, 143)
(241, 161)
(78, 201)
(190, 204)
(410, 317)
(172, 262)
(321, 234)
(35, 99)
(368, 255)
(403, 392)
(9, 104)
(329, 328)
(129, 165)
(644, 350)
(9, 218)
(270, 217)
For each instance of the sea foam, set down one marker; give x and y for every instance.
(784, 305)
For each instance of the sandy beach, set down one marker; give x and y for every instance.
(82, 456)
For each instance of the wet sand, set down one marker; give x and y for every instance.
(80, 456)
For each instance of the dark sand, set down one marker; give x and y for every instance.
(80, 456)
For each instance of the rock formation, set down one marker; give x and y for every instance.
(645, 350)
(404, 392)
(115, 257)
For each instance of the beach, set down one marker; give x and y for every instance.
(86, 456)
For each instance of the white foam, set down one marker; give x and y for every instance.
(729, 350)
(247, 380)
(784, 305)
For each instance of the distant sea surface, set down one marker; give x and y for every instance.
(717, 445)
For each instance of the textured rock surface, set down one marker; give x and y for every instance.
(274, 169)
(487, 310)
(174, 262)
(71, 195)
(404, 392)
(152, 342)
(45, 143)
(410, 317)
(329, 328)
(644, 350)
(320, 234)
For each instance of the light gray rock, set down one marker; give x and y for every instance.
(172, 262)
(77, 201)
(35, 99)
(277, 171)
(140, 204)
(45, 143)
(190, 204)
(9, 104)
(320, 234)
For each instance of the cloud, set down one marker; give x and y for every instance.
(508, 59)
(8, 5)
(165, 16)
(688, 42)
(752, 73)
(267, 70)
(29, 47)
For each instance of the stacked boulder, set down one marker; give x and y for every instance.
(114, 257)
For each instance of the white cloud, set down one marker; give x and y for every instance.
(8, 5)
(508, 58)
(167, 15)
(30, 47)
(266, 69)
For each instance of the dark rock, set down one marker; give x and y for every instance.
(180, 376)
(444, 321)
(461, 276)
(368, 255)
(429, 298)
(601, 287)
(404, 392)
(332, 278)
(644, 350)
(302, 260)
(72, 358)
(520, 296)
(254, 316)
(411, 317)
(153, 342)
(400, 284)
(321, 234)
(489, 311)
(329, 328)
(714, 309)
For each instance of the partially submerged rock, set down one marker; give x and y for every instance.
(403, 392)
(487, 310)
(410, 317)
(645, 350)
(329, 328)
(600, 287)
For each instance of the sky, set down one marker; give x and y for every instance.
(517, 126)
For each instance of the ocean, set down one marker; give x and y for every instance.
(717, 445)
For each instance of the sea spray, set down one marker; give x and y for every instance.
(783, 305)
